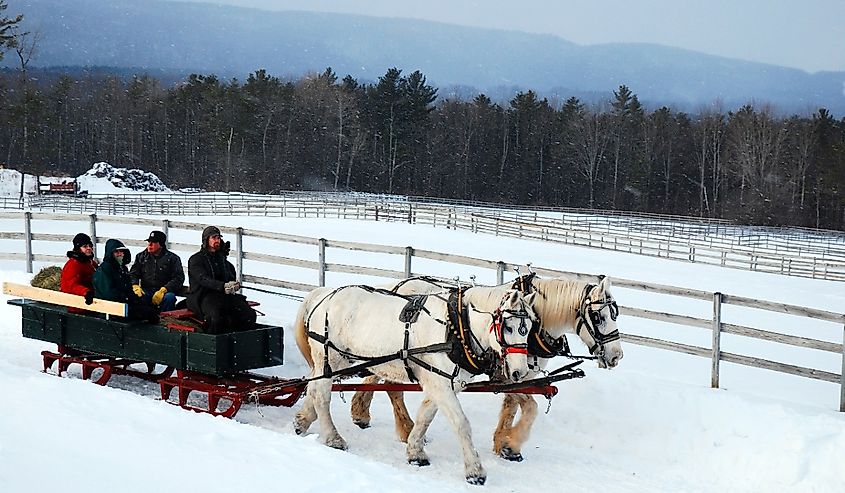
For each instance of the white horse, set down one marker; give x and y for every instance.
(563, 306)
(336, 328)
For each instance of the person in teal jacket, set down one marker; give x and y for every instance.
(112, 282)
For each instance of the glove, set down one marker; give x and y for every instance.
(136, 288)
(231, 286)
(158, 296)
(89, 296)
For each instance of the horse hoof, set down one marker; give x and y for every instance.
(510, 455)
(361, 424)
(337, 443)
(419, 462)
(476, 480)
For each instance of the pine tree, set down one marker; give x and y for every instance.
(8, 27)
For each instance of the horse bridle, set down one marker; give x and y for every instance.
(498, 325)
(590, 319)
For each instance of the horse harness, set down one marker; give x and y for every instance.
(460, 344)
(542, 345)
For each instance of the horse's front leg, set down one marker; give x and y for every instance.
(446, 399)
(501, 437)
(321, 393)
(416, 437)
(510, 444)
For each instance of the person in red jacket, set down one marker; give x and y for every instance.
(78, 272)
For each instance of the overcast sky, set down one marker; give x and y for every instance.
(806, 34)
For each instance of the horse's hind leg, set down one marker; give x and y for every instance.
(401, 416)
(321, 393)
(361, 401)
(416, 438)
(513, 441)
(305, 416)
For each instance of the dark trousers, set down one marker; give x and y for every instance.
(226, 313)
(140, 311)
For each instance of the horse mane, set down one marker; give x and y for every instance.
(557, 301)
(486, 299)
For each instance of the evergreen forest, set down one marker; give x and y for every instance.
(751, 165)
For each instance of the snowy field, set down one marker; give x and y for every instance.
(650, 425)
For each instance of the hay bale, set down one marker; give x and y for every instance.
(48, 278)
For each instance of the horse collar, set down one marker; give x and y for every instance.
(461, 338)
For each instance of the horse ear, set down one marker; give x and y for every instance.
(530, 298)
(514, 297)
(604, 285)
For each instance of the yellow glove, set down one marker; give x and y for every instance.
(137, 289)
(158, 296)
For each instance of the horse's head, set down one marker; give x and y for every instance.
(596, 324)
(509, 332)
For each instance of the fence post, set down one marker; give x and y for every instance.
(321, 273)
(842, 377)
(409, 252)
(92, 231)
(717, 333)
(165, 228)
(27, 230)
(239, 252)
(500, 272)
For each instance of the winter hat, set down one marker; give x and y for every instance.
(157, 237)
(208, 232)
(81, 240)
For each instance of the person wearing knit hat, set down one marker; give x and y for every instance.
(213, 288)
(112, 282)
(78, 272)
(157, 275)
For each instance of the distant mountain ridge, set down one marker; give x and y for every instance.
(229, 41)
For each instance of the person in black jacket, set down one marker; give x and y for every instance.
(213, 288)
(112, 282)
(157, 274)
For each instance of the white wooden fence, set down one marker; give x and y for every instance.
(406, 256)
(788, 251)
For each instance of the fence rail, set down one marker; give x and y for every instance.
(319, 264)
(789, 251)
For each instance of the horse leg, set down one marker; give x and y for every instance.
(503, 429)
(512, 447)
(321, 393)
(446, 399)
(401, 416)
(305, 416)
(416, 437)
(361, 401)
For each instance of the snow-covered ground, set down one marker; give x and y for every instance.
(652, 424)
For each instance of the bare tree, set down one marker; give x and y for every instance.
(756, 141)
(590, 137)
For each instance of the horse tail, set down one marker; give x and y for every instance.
(301, 330)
